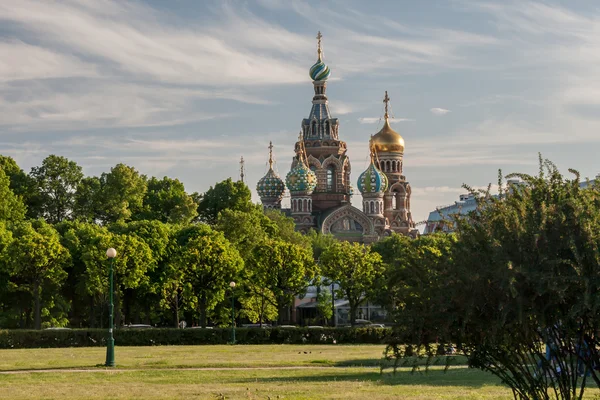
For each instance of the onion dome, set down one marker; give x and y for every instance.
(301, 179)
(388, 140)
(319, 71)
(372, 180)
(270, 186)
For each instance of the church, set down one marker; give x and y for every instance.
(319, 178)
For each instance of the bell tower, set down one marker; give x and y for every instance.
(325, 153)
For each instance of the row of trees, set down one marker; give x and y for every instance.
(177, 253)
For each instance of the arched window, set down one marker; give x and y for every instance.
(394, 201)
(306, 205)
(300, 205)
(330, 179)
(372, 207)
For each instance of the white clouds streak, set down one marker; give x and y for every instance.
(439, 111)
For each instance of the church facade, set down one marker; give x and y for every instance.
(319, 181)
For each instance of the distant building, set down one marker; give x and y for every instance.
(440, 220)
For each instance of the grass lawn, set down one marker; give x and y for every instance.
(242, 372)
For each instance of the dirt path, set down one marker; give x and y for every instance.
(112, 370)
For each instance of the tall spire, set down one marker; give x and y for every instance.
(319, 49)
(270, 155)
(386, 100)
(302, 156)
(242, 169)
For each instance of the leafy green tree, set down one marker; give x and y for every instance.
(356, 269)
(319, 242)
(36, 261)
(122, 193)
(225, 195)
(57, 180)
(209, 262)
(11, 207)
(167, 201)
(88, 202)
(23, 186)
(525, 274)
(285, 269)
(417, 271)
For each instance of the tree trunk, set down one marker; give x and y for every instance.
(37, 312)
(353, 307)
(203, 311)
(176, 309)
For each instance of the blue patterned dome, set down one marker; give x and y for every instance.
(270, 186)
(372, 181)
(301, 179)
(319, 71)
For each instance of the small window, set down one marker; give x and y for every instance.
(330, 179)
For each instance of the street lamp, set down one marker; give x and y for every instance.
(232, 286)
(110, 345)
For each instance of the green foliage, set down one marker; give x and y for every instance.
(285, 269)
(11, 206)
(35, 261)
(20, 339)
(209, 263)
(57, 180)
(22, 185)
(122, 193)
(225, 195)
(357, 270)
(88, 200)
(167, 201)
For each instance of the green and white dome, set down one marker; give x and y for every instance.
(372, 181)
(301, 179)
(270, 186)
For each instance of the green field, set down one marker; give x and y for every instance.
(231, 372)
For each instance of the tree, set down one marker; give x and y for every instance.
(167, 201)
(416, 279)
(526, 274)
(209, 262)
(356, 269)
(36, 260)
(22, 186)
(122, 193)
(285, 269)
(225, 195)
(88, 202)
(57, 180)
(11, 207)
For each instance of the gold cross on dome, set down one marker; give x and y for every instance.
(270, 155)
(386, 100)
(319, 50)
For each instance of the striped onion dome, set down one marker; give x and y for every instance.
(372, 180)
(319, 71)
(270, 186)
(301, 179)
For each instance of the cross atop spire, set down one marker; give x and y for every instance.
(270, 155)
(242, 168)
(319, 49)
(386, 100)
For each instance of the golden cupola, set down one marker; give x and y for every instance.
(388, 140)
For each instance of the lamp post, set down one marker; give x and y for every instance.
(110, 345)
(332, 305)
(232, 286)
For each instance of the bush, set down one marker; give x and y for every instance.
(22, 339)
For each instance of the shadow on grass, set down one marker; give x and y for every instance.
(405, 363)
(458, 376)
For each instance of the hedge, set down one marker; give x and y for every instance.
(22, 339)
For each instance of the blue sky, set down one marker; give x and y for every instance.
(184, 88)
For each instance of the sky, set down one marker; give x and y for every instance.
(184, 88)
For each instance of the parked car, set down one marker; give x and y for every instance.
(255, 326)
(375, 326)
(137, 326)
(58, 328)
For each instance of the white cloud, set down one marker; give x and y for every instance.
(439, 111)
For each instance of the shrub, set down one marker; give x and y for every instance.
(21, 339)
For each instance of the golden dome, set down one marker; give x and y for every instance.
(388, 140)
